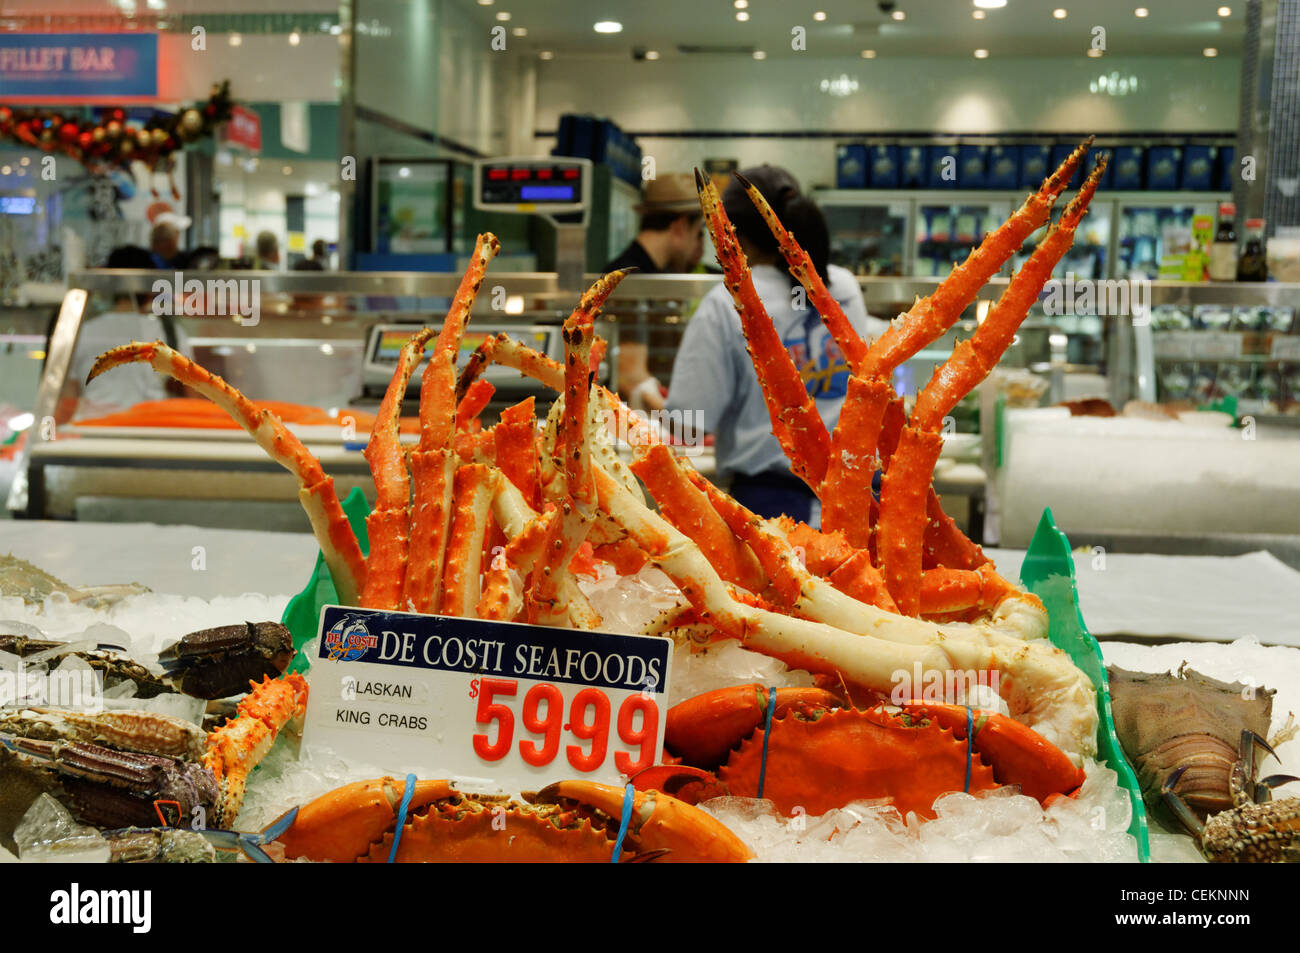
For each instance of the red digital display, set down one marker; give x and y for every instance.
(496, 175)
(519, 175)
(544, 173)
(570, 173)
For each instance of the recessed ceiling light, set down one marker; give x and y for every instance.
(741, 4)
(519, 31)
(742, 16)
(546, 55)
(486, 3)
(868, 54)
(295, 38)
(503, 16)
(652, 54)
(1209, 51)
(899, 15)
(760, 55)
(404, 172)
(1059, 13)
(1225, 11)
(287, 170)
(978, 14)
(819, 15)
(236, 39)
(608, 26)
(991, 4)
(981, 54)
(1094, 52)
(1141, 12)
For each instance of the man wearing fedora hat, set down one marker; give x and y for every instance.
(670, 240)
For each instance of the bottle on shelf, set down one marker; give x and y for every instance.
(1223, 250)
(1253, 266)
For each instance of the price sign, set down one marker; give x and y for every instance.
(1286, 347)
(497, 704)
(1220, 345)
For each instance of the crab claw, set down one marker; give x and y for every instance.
(703, 729)
(681, 781)
(661, 825)
(342, 825)
(1178, 806)
(1017, 753)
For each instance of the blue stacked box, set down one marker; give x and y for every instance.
(851, 167)
(1198, 168)
(1003, 167)
(972, 167)
(912, 168)
(1225, 170)
(1163, 166)
(1128, 163)
(941, 167)
(1033, 165)
(883, 167)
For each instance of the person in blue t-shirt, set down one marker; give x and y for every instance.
(713, 376)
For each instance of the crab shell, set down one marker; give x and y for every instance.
(821, 755)
(571, 821)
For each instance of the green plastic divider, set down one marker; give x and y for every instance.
(1048, 572)
(302, 614)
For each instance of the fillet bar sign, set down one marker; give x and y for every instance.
(492, 703)
(88, 66)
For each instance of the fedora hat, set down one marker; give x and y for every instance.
(673, 192)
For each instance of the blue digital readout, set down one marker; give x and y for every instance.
(546, 193)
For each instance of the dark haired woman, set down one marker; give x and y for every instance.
(713, 379)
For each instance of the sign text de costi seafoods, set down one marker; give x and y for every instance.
(517, 705)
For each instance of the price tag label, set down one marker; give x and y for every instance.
(1221, 345)
(496, 704)
(1286, 347)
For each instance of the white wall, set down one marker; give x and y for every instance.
(1177, 94)
(263, 68)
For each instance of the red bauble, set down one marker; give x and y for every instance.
(85, 140)
(68, 131)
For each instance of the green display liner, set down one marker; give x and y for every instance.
(1047, 572)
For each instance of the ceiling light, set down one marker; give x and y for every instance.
(608, 26)
(899, 15)
(295, 38)
(503, 16)
(978, 14)
(981, 54)
(486, 3)
(760, 55)
(1059, 13)
(991, 4)
(652, 54)
(546, 55)
(742, 16)
(819, 15)
(519, 31)
(236, 39)
(1209, 51)
(1094, 53)
(404, 172)
(287, 170)
(868, 54)
(1141, 12)
(1225, 11)
(741, 4)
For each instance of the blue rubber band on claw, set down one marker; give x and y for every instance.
(767, 733)
(629, 799)
(970, 741)
(401, 816)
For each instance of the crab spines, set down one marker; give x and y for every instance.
(901, 530)
(846, 492)
(384, 450)
(341, 825)
(703, 730)
(795, 420)
(803, 270)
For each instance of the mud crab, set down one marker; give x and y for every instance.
(1194, 741)
(817, 753)
(568, 821)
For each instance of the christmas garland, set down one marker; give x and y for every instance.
(108, 141)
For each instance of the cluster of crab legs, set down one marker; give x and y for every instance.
(495, 522)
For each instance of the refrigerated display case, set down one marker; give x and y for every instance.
(869, 234)
(1154, 229)
(947, 227)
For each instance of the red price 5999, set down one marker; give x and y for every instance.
(588, 719)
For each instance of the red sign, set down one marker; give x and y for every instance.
(244, 129)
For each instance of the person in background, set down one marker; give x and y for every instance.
(130, 319)
(268, 252)
(320, 253)
(670, 239)
(164, 245)
(713, 377)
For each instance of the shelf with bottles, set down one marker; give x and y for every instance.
(1261, 388)
(1241, 333)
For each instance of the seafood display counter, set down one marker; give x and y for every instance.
(614, 661)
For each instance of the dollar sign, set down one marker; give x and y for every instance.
(473, 688)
